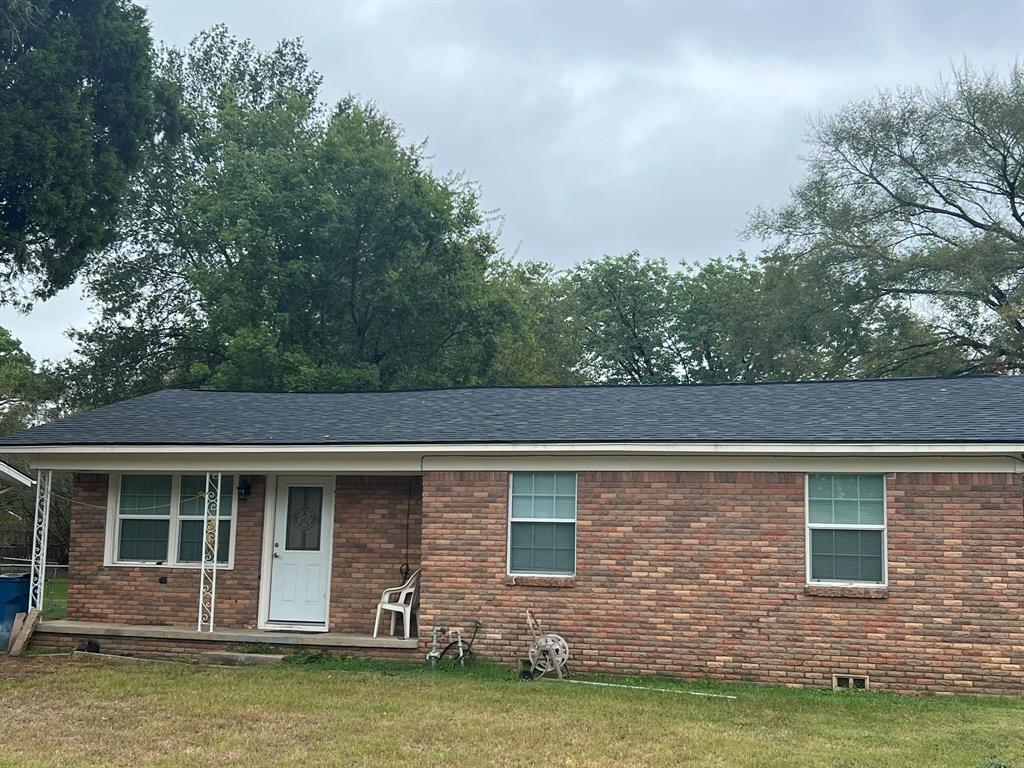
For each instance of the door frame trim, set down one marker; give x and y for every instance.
(266, 558)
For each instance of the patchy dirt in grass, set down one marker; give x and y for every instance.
(30, 666)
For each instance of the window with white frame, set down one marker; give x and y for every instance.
(542, 524)
(846, 533)
(159, 519)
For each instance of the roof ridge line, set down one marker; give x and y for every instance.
(595, 386)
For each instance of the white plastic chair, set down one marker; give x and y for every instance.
(400, 600)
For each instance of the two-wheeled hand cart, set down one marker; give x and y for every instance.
(449, 650)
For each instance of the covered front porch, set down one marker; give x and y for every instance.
(281, 559)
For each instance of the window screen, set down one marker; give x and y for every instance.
(146, 495)
(846, 521)
(153, 507)
(144, 516)
(144, 540)
(193, 492)
(190, 541)
(192, 506)
(542, 530)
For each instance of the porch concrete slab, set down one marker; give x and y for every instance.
(230, 659)
(272, 637)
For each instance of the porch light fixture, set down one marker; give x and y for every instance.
(244, 488)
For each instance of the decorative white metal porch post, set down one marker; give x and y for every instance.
(211, 542)
(40, 535)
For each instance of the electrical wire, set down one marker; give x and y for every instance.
(80, 503)
(404, 570)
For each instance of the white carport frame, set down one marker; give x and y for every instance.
(208, 564)
(14, 477)
(40, 535)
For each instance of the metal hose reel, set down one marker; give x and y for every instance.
(548, 652)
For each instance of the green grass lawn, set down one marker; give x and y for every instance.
(55, 599)
(62, 712)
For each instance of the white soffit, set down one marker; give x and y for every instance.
(399, 459)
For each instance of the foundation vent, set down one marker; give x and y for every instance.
(857, 682)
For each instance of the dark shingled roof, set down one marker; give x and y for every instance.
(956, 410)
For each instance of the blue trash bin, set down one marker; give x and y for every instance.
(13, 600)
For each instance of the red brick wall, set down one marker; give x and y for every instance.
(370, 545)
(684, 574)
(369, 549)
(135, 594)
(703, 573)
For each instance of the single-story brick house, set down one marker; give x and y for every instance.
(785, 532)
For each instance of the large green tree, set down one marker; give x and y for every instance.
(733, 319)
(76, 105)
(918, 195)
(623, 310)
(534, 339)
(28, 397)
(23, 391)
(283, 245)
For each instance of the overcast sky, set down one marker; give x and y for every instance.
(602, 127)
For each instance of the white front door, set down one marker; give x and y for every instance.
(300, 565)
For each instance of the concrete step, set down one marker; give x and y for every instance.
(232, 659)
(118, 658)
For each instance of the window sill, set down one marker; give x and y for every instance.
(563, 582)
(840, 590)
(166, 566)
